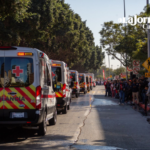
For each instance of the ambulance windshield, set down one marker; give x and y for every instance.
(16, 72)
(56, 73)
(81, 78)
(73, 76)
(87, 80)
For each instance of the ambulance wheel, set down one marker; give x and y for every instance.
(68, 107)
(65, 110)
(43, 126)
(54, 119)
(77, 95)
(58, 112)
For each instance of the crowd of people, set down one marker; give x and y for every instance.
(131, 91)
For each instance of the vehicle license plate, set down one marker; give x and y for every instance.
(18, 115)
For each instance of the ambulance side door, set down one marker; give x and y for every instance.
(78, 87)
(43, 83)
(51, 94)
(66, 82)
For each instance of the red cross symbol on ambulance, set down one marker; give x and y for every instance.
(53, 75)
(17, 71)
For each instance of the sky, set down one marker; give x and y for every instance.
(96, 12)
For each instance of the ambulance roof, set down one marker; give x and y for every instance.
(18, 48)
(73, 71)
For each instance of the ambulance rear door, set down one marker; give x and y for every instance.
(19, 101)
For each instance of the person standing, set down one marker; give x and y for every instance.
(117, 89)
(140, 91)
(121, 92)
(135, 92)
(112, 88)
(107, 88)
(129, 92)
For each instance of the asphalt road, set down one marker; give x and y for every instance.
(94, 122)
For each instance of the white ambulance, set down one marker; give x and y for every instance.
(82, 82)
(74, 75)
(61, 85)
(27, 97)
(91, 75)
(88, 82)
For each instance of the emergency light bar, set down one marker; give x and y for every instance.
(54, 65)
(7, 48)
(24, 54)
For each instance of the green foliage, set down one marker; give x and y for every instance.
(51, 26)
(108, 72)
(16, 9)
(120, 70)
(120, 39)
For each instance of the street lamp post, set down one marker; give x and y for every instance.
(148, 39)
(126, 39)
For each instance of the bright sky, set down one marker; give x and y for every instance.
(96, 12)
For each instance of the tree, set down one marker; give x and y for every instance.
(120, 70)
(51, 26)
(17, 9)
(134, 43)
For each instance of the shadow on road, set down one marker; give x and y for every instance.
(29, 139)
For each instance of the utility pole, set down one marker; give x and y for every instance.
(126, 39)
(148, 39)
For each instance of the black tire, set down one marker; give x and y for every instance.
(54, 119)
(43, 126)
(84, 92)
(58, 112)
(68, 107)
(77, 95)
(65, 110)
